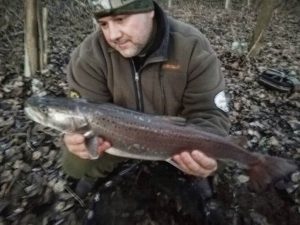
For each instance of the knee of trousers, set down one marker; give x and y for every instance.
(78, 168)
(73, 165)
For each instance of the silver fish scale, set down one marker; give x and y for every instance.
(139, 134)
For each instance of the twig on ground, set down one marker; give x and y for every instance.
(76, 197)
(15, 178)
(255, 46)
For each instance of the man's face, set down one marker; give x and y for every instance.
(128, 34)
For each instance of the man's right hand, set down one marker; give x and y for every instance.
(75, 143)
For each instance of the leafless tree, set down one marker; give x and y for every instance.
(265, 12)
(35, 36)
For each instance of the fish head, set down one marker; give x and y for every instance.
(58, 113)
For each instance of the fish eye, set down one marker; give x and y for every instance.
(44, 109)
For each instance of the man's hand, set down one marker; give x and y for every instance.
(75, 143)
(196, 163)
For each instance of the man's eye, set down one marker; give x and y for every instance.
(44, 109)
(119, 20)
(103, 25)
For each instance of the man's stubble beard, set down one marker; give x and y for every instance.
(134, 49)
(130, 52)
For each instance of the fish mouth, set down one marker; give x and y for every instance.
(33, 114)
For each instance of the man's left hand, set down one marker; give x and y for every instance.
(196, 163)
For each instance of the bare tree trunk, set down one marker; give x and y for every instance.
(45, 36)
(265, 13)
(227, 4)
(40, 34)
(36, 38)
(169, 4)
(169, 7)
(249, 3)
(31, 38)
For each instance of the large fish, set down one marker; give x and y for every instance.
(150, 137)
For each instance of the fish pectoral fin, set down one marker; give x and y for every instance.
(173, 163)
(179, 121)
(91, 142)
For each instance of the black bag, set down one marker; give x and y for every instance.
(276, 80)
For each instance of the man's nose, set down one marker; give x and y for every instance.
(114, 32)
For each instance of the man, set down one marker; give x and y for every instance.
(143, 60)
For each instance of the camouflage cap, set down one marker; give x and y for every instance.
(101, 8)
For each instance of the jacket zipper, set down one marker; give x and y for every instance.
(137, 88)
(163, 94)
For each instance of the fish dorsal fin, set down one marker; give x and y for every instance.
(179, 121)
(238, 140)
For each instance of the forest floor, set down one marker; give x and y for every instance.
(34, 189)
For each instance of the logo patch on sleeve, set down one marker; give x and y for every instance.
(221, 101)
(171, 66)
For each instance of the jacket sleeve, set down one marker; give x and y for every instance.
(205, 83)
(86, 71)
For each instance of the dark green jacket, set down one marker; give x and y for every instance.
(180, 78)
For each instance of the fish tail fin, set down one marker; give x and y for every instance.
(268, 169)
